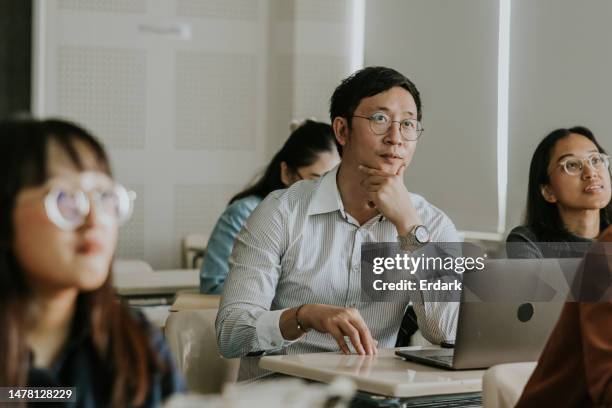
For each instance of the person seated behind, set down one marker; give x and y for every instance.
(309, 152)
(62, 323)
(294, 283)
(568, 198)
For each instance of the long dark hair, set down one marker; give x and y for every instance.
(301, 149)
(118, 338)
(543, 217)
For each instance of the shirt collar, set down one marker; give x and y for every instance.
(327, 196)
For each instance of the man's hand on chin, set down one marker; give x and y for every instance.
(388, 193)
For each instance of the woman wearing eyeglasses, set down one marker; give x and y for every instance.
(309, 152)
(568, 197)
(568, 208)
(62, 325)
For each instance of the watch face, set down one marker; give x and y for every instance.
(421, 234)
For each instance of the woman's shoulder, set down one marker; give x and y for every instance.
(522, 233)
(243, 206)
(523, 242)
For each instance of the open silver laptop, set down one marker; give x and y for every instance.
(503, 328)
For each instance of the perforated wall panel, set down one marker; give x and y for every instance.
(131, 235)
(104, 88)
(197, 207)
(317, 76)
(191, 98)
(215, 100)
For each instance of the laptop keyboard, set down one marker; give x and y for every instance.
(448, 360)
(366, 400)
(441, 356)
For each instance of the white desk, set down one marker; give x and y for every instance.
(384, 374)
(157, 282)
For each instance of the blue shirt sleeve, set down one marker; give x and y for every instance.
(216, 260)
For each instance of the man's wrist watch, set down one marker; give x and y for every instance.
(417, 237)
(299, 324)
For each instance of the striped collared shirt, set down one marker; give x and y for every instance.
(300, 246)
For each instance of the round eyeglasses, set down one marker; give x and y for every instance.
(575, 165)
(68, 209)
(380, 123)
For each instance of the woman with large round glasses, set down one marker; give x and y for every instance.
(62, 325)
(568, 198)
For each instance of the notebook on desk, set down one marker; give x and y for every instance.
(490, 333)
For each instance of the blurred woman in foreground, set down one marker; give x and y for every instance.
(63, 326)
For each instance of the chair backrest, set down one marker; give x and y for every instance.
(131, 266)
(193, 249)
(503, 384)
(195, 300)
(191, 337)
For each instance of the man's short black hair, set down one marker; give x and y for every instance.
(368, 82)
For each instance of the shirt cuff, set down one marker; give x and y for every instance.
(268, 330)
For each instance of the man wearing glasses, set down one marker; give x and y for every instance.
(294, 283)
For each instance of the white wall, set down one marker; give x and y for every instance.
(560, 76)
(310, 52)
(449, 50)
(191, 97)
